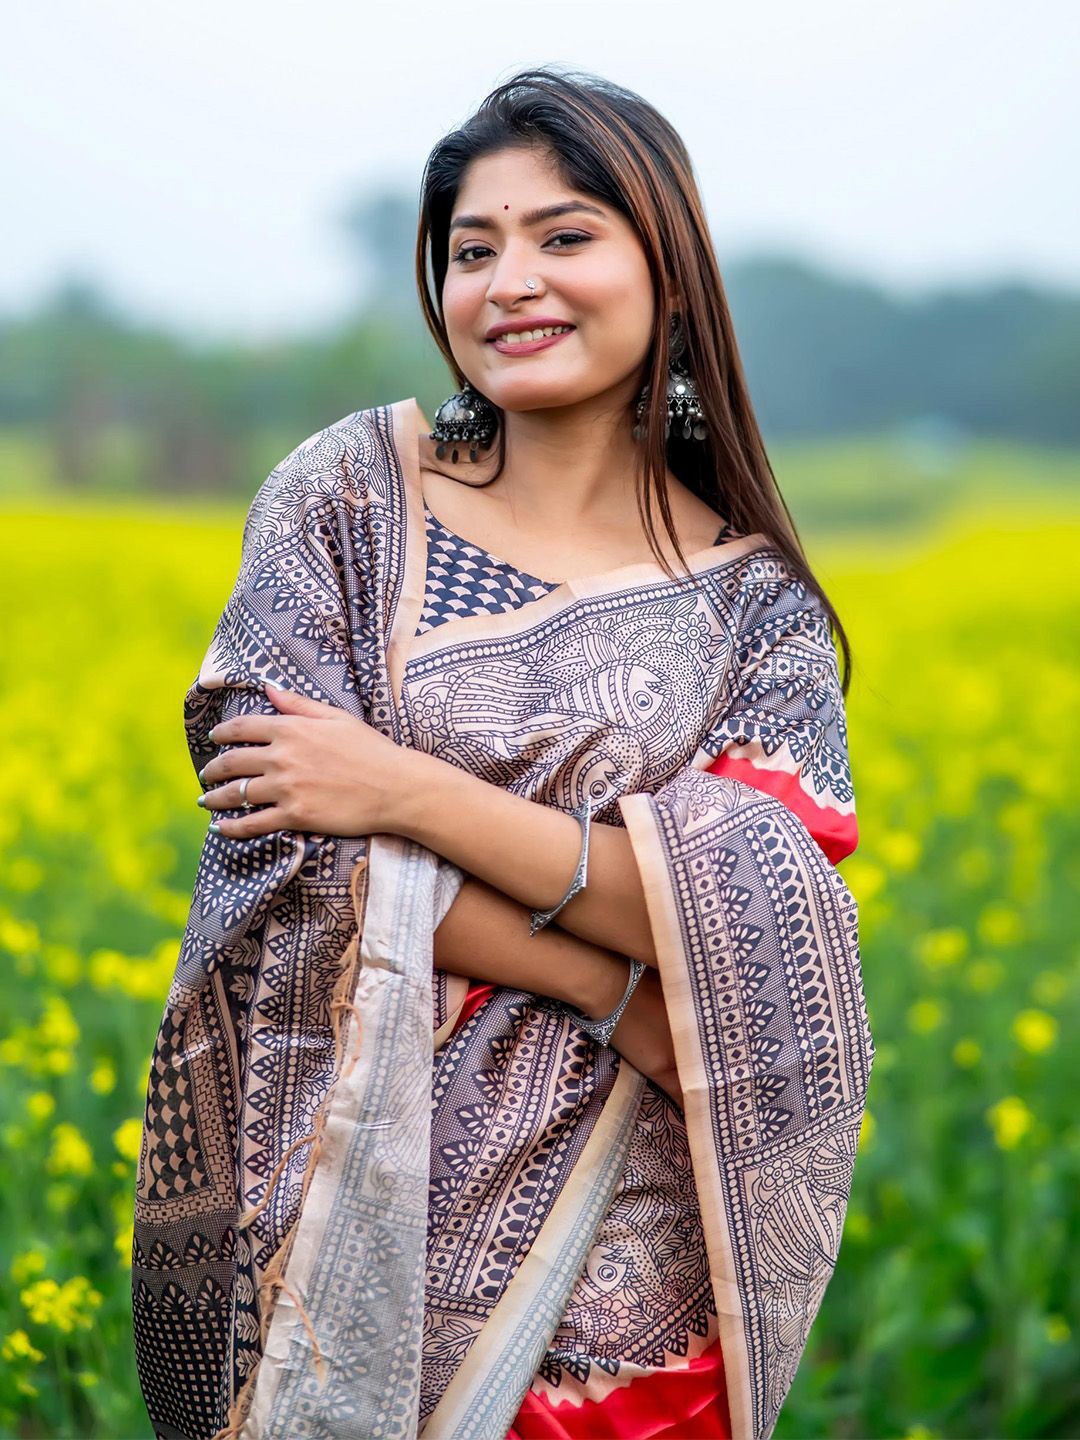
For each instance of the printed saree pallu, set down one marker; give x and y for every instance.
(369, 1205)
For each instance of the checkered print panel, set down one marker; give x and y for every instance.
(463, 579)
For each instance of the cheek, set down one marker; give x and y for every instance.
(617, 290)
(461, 300)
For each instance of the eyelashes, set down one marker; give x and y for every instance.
(570, 236)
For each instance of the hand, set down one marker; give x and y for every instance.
(316, 768)
(643, 1035)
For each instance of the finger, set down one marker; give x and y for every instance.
(228, 797)
(258, 822)
(253, 726)
(248, 760)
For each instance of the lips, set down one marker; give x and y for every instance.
(528, 347)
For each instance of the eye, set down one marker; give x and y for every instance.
(463, 254)
(569, 237)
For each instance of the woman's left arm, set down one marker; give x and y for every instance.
(530, 852)
(316, 768)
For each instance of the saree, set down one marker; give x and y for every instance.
(375, 1200)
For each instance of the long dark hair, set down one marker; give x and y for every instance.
(610, 143)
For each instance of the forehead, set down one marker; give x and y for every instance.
(515, 176)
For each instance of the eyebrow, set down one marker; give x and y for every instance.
(530, 217)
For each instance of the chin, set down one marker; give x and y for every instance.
(535, 393)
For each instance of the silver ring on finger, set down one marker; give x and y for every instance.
(245, 803)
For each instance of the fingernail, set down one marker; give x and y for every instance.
(201, 800)
(202, 775)
(210, 732)
(216, 829)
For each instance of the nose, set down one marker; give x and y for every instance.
(506, 285)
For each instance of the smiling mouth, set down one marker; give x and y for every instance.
(537, 340)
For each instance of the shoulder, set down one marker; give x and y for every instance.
(768, 603)
(331, 466)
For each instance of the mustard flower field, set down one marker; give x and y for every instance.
(953, 1309)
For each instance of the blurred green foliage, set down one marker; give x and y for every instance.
(111, 405)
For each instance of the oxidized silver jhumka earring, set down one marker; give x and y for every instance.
(683, 401)
(465, 416)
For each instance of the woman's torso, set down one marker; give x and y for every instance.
(640, 1329)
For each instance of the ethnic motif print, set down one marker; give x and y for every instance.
(463, 579)
(230, 1087)
(779, 1038)
(609, 696)
(786, 701)
(644, 1300)
(516, 1093)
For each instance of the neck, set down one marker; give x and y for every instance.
(572, 466)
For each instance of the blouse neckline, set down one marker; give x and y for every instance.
(406, 424)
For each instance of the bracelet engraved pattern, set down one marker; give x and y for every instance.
(583, 814)
(602, 1030)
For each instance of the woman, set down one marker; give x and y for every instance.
(511, 1078)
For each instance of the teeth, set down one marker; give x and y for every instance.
(522, 337)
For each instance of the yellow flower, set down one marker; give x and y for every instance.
(40, 1105)
(1000, 924)
(18, 937)
(1049, 986)
(1011, 1120)
(58, 1027)
(70, 1154)
(866, 1130)
(128, 1139)
(985, 975)
(14, 1050)
(940, 948)
(62, 965)
(1035, 1030)
(60, 1197)
(87, 1379)
(920, 1432)
(967, 1053)
(123, 1243)
(25, 1266)
(103, 1077)
(17, 1347)
(863, 877)
(1057, 1329)
(924, 1016)
(66, 1306)
(857, 1225)
(59, 1062)
(900, 849)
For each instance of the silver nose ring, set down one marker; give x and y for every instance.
(531, 284)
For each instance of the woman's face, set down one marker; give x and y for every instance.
(591, 273)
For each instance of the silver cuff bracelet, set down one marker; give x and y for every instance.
(603, 1029)
(583, 814)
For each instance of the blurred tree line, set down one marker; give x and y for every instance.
(123, 406)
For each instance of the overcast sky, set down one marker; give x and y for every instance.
(194, 159)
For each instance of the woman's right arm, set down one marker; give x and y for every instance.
(485, 936)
